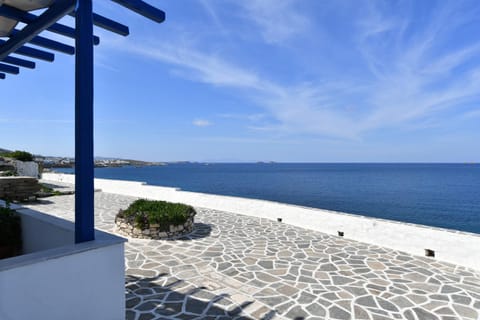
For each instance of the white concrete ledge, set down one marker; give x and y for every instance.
(55, 275)
(449, 245)
(46, 237)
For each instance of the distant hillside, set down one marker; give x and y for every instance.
(69, 162)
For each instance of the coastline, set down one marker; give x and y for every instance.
(441, 196)
(452, 246)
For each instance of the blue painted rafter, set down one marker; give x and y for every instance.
(26, 17)
(108, 24)
(58, 10)
(32, 53)
(50, 44)
(36, 53)
(143, 9)
(19, 62)
(9, 69)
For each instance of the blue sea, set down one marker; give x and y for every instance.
(441, 195)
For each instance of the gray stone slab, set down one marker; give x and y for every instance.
(239, 267)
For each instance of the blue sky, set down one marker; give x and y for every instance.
(221, 80)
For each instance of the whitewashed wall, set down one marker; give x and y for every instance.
(57, 279)
(42, 232)
(451, 246)
(85, 285)
(27, 169)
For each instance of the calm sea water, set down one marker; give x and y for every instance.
(442, 195)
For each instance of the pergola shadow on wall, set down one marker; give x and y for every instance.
(16, 44)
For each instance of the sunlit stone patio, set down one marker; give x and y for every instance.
(240, 267)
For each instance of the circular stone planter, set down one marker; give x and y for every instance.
(154, 231)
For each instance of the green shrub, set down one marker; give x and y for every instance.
(143, 213)
(46, 190)
(20, 155)
(10, 228)
(9, 173)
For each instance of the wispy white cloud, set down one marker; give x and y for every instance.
(301, 108)
(202, 123)
(279, 20)
(211, 11)
(207, 68)
(419, 78)
(255, 117)
(472, 114)
(410, 78)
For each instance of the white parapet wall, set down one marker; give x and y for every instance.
(451, 246)
(28, 168)
(57, 279)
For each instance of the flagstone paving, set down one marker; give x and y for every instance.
(240, 267)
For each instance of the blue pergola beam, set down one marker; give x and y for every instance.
(108, 24)
(9, 69)
(55, 12)
(84, 163)
(32, 53)
(19, 62)
(35, 53)
(2, 76)
(50, 44)
(25, 17)
(143, 9)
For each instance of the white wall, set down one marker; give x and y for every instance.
(27, 169)
(58, 279)
(86, 285)
(451, 246)
(42, 232)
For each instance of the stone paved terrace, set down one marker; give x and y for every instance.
(239, 267)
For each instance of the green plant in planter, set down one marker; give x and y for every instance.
(143, 213)
(10, 232)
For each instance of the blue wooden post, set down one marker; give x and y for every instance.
(84, 189)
